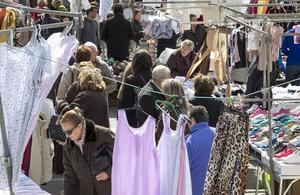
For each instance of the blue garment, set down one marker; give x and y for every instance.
(291, 50)
(199, 144)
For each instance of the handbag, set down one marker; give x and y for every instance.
(55, 130)
(102, 159)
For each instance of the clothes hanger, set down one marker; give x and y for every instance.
(67, 29)
(171, 106)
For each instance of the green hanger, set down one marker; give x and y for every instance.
(169, 104)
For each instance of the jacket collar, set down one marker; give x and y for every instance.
(202, 95)
(154, 86)
(90, 133)
(198, 126)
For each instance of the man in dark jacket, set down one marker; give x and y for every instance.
(181, 60)
(90, 31)
(117, 33)
(147, 98)
(197, 33)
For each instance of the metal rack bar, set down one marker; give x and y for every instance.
(245, 24)
(233, 10)
(31, 28)
(286, 15)
(6, 159)
(175, 2)
(260, 5)
(33, 10)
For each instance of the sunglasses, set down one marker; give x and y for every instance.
(70, 131)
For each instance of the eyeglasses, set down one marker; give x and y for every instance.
(70, 131)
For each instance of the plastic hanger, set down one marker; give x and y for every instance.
(169, 104)
(172, 106)
(68, 29)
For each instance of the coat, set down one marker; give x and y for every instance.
(147, 102)
(130, 95)
(67, 79)
(40, 170)
(213, 106)
(78, 177)
(94, 106)
(117, 33)
(138, 31)
(71, 75)
(198, 37)
(177, 64)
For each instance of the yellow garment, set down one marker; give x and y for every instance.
(262, 9)
(212, 45)
(9, 22)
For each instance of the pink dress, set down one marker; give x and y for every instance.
(135, 168)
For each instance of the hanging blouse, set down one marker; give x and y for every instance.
(136, 165)
(104, 8)
(262, 9)
(276, 32)
(297, 37)
(172, 156)
(85, 5)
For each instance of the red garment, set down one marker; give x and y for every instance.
(36, 16)
(26, 157)
(2, 15)
(252, 10)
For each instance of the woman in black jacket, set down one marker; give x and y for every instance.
(86, 170)
(204, 87)
(141, 67)
(92, 96)
(137, 27)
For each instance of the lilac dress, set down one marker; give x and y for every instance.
(135, 159)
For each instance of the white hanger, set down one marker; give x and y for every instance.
(68, 29)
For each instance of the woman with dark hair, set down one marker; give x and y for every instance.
(204, 87)
(141, 67)
(87, 168)
(137, 27)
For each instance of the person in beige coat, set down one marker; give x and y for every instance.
(40, 169)
(83, 53)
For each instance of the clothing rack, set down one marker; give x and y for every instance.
(6, 159)
(261, 5)
(34, 10)
(268, 41)
(267, 97)
(31, 28)
(50, 12)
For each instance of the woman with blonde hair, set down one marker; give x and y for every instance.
(171, 87)
(87, 166)
(91, 97)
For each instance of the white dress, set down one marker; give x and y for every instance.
(26, 83)
(175, 178)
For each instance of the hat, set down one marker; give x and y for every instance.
(200, 18)
(94, 4)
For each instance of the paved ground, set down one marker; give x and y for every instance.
(55, 186)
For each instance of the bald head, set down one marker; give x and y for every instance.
(94, 50)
